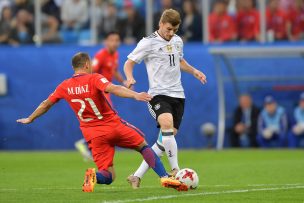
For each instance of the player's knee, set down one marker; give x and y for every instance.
(166, 123)
(141, 145)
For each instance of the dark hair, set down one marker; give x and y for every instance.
(79, 60)
(221, 2)
(170, 16)
(114, 32)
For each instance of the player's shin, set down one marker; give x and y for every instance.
(170, 146)
(144, 167)
(104, 177)
(153, 161)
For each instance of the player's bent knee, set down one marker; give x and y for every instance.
(144, 143)
(166, 124)
(165, 121)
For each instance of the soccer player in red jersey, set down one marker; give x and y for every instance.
(247, 20)
(222, 27)
(102, 128)
(105, 62)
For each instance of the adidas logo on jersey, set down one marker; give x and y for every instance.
(157, 106)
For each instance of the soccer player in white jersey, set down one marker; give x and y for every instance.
(162, 53)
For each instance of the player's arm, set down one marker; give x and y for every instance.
(185, 66)
(118, 76)
(121, 91)
(136, 56)
(128, 70)
(95, 64)
(41, 109)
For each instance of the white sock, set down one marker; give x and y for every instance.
(170, 145)
(144, 167)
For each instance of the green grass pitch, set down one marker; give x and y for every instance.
(225, 176)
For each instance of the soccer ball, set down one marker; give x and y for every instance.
(189, 177)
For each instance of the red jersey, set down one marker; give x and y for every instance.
(248, 24)
(297, 22)
(106, 63)
(277, 22)
(221, 28)
(85, 93)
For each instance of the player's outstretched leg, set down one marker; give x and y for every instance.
(82, 147)
(155, 163)
(135, 178)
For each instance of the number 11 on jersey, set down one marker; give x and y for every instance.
(171, 58)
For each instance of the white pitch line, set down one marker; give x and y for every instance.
(204, 194)
(145, 187)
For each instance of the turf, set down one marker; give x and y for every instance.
(225, 176)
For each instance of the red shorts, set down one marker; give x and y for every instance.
(121, 134)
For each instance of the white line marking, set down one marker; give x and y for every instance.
(104, 187)
(204, 194)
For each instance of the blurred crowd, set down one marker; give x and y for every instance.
(69, 20)
(271, 126)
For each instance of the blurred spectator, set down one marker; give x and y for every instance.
(23, 5)
(222, 28)
(165, 4)
(74, 14)
(245, 123)
(272, 124)
(277, 22)
(191, 28)
(108, 21)
(4, 3)
(247, 19)
(24, 27)
(131, 28)
(51, 8)
(7, 34)
(296, 136)
(50, 22)
(296, 15)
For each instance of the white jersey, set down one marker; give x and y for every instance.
(162, 59)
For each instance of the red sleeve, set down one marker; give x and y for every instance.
(56, 95)
(101, 82)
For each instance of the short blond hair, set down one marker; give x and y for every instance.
(170, 16)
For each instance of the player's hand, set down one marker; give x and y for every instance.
(24, 120)
(143, 96)
(130, 82)
(126, 84)
(200, 76)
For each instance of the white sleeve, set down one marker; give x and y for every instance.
(180, 47)
(141, 51)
